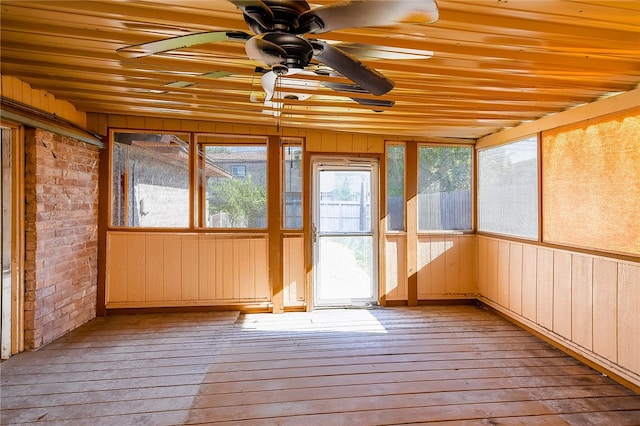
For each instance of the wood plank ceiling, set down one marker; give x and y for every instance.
(495, 63)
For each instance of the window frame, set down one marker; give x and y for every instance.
(190, 171)
(538, 188)
(472, 190)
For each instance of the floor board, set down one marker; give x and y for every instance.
(439, 364)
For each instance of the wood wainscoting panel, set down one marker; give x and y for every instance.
(395, 267)
(629, 316)
(293, 270)
(605, 308)
(446, 267)
(156, 269)
(584, 302)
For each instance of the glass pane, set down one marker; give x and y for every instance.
(236, 200)
(444, 188)
(150, 180)
(346, 268)
(508, 189)
(345, 201)
(395, 187)
(292, 186)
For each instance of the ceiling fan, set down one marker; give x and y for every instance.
(281, 43)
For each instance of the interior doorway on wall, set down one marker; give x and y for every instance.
(344, 232)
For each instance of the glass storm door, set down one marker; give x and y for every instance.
(344, 233)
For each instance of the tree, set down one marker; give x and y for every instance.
(242, 200)
(444, 169)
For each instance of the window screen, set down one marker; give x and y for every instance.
(395, 187)
(150, 180)
(444, 188)
(508, 189)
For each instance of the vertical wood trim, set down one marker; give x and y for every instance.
(411, 185)
(104, 203)
(274, 214)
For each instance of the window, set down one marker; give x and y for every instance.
(239, 171)
(444, 188)
(508, 189)
(591, 184)
(150, 180)
(395, 187)
(231, 200)
(291, 184)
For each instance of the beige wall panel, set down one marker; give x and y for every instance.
(293, 270)
(529, 282)
(117, 121)
(375, 144)
(424, 268)
(344, 142)
(452, 265)
(135, 267)
(605, 308)
(172, 259)
(582, 300)
(629, 316)
(134, 122)
(396, 270)
(261, 268)
(190, 267)
(431, 266)
(243, 274)
(223, 281)
(515, 277)
(544, 288)
(207, 268)
(562, 293)
(503, 273)
(313, 141)
(360, 142)
(154, 267)
(482, 259)
(117, 269)
(329, 142)
(7, 86)
(439, 248)
(492, 269)
(468, 265)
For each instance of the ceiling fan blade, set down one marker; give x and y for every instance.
(367, 78)
(160, 46)
(358, 14)
(265, 51)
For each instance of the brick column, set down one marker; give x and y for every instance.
(61, 224)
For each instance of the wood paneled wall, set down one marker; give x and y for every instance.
(446, 267)
(20, 91)
(395, 266)
(585, 302)
(163, 269)
(293, 274)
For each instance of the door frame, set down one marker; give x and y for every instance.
(17, 236)
(374, 163)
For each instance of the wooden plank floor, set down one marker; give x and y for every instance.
(455, 364)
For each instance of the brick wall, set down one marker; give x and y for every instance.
(61, 191)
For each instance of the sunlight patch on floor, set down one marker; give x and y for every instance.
(328, 320)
